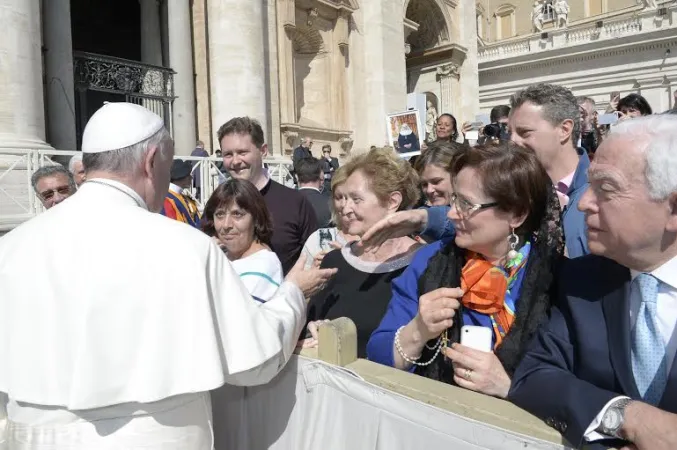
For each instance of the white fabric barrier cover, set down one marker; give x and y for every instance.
(312, 405)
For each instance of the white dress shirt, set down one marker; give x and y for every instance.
(666, 314)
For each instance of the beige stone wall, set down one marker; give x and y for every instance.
(200, 58)
(341, 94)
(581, 10)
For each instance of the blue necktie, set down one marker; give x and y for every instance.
(648, 348)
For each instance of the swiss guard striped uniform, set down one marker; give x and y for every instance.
(181, 207)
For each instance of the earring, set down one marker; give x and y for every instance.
(513, 239)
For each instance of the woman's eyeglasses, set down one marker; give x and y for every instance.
(467, 208)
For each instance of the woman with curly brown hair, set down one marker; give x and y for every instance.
(377, 184)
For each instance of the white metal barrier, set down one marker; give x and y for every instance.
(18, 201)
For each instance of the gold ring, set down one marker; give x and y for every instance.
(468, 374)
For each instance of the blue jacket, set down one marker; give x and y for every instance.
(403, 305)
(573, 220)
(440, 227)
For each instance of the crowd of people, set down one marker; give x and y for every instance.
(551, 239)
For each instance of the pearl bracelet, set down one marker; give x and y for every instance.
(437, 347)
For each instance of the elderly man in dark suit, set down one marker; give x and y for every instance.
(601, 371)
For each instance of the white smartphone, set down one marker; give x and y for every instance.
(476, 337)
(472, 135)
(608, 119)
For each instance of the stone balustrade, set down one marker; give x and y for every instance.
(626, 23)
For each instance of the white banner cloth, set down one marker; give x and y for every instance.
(312, 405)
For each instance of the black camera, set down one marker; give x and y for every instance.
(497, 130)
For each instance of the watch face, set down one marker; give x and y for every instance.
(612, 419)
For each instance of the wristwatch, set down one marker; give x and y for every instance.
(613, 418)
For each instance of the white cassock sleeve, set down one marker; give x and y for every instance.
(257, 339)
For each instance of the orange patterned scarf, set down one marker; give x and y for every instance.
(485, 286)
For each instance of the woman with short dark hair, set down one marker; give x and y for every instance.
(236, 216)
(495, 274)
(446, 129)
(634, 105)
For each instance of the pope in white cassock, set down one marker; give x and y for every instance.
(116, 322)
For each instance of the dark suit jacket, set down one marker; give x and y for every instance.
(320, 203)
(327, 166)
(580, 360)
(299, 154)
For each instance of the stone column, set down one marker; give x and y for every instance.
(151, 53)
(59, 74)
(151, 32)
(22, 118)
(181, 61)
(383, 70)
(237, 62)
(447, 75)
(201, 65)
(286, 14)
(469, 85)
(340, 54)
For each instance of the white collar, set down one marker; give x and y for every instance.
(122, 188)
(310, 187)
(666, 273)
(374, 266)
(176, 188)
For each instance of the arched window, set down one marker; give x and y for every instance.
(479, 15)
(549, 11)
(432, 30)
(505, 21)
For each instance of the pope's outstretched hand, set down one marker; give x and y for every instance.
(310, 280)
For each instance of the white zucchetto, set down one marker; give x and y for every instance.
(119, 125)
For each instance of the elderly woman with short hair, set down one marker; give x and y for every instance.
(323, 240)
(237, 217)
(377, 184)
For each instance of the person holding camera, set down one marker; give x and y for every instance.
(498, 128)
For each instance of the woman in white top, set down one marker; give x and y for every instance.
(236, 216)
(324, 240)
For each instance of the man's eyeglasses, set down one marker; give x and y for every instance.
(467, 208)
(49, 194)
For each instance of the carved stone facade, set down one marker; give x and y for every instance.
(603, 46)
(442, 63)
(345, 64)
(327, 69)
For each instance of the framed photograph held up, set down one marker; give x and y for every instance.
(405, 131)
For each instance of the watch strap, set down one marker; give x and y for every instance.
(619, 407)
